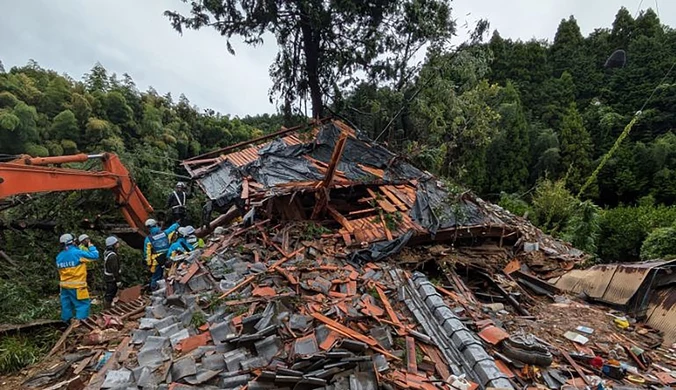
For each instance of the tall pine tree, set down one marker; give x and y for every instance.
(576, 148)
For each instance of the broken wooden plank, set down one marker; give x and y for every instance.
(576, 367)
(411, 364)
(382, 202)
(245, 189)
(74, 324)
(347, 332)
(390, 311)
(340, 219)
(335, 159)
(388, 233)
(239, 286)
(286, 258)
(393, 198)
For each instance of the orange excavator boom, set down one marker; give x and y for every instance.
(27, 175)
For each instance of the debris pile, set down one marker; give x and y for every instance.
(352, 269)
(270, 313)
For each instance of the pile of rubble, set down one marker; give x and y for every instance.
(352, 269)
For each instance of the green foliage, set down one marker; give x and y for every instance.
(7, 99)
(9, 121)
(393, 220)
(553, 205)
(576, 148)
(311, 231)
(21, 303)
(623, 230)
(583, 228)
(322, 45)
(65, 126)
(514, 204)
(660, 244)
(19, 351)
(37, 150)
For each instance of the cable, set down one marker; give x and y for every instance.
(623, 135)
(638, 9)
(657, 8)
(407, 102)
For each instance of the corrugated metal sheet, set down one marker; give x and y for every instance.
(592, 281)
(625, 283)
(662, 313)
(613, 283)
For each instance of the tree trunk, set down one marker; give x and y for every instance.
(311, 50)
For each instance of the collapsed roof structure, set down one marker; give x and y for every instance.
(329, 169)
(346, 273)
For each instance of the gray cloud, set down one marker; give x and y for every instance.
(132, 36)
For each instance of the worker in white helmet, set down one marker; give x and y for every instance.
(176, 204)
(73, 278)
(111, 271)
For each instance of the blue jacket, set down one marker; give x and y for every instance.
(180, 246)
(71, 264)
(149, 252)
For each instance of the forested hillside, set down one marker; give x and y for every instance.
(526, 123)
(520, 123)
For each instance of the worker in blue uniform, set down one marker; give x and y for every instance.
(182, 245)
(71, 263)
(155, 250)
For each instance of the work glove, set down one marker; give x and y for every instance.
(119, 284)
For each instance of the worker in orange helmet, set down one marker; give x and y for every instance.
(73, 278)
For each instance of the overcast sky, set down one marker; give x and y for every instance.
(133, 36)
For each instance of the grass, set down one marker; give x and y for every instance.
(20, 351)
(198, 319)
(312, 230)
(393, 220)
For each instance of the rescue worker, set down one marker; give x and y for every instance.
(177, 202)
(83, 242)
(155, 250)
(181, 245)
(73, 278)
(111, 271)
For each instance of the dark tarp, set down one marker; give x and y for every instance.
(272, 169)
(279, 163)
(434, 208)
(380, 250)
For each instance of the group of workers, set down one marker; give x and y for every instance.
(160, 247)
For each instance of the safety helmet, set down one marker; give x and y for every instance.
(151, 223)
(66, 239)
(192, 240)
(182, 232)
(189, 230)
(82, 238)
(180, 184)
(110, 241)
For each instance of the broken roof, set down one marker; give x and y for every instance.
(329, 169)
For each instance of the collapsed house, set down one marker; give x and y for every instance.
(352, 269)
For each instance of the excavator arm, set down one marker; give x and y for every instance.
(27, 175)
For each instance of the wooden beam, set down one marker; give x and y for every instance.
(340, 218)
(335, 159)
